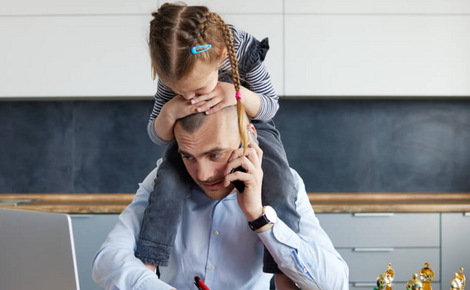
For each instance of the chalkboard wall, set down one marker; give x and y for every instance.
(335, 145)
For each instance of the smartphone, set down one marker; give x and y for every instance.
(240, 185)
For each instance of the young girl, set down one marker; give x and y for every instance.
(196, 56)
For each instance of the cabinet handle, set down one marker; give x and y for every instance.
(364, 284)
(82, 216)
(383, 214)
(466, 214)
(373, 249)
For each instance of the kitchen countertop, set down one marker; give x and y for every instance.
(321, 202)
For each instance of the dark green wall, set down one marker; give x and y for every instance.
(335, 145)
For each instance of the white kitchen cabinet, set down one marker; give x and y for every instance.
(63, 56)
(239, 6)
(261, 26)
(377, 55)
(73, 7)
(377, 7)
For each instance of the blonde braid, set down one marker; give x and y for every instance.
(242, 119)
(201, 35)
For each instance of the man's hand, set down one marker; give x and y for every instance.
(222, 96)
(250, 200)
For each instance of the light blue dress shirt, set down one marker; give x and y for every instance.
(215, 243)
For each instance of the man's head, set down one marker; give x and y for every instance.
(205, 143)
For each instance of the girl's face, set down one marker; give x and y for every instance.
(200, 81)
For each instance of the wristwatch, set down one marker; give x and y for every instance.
(269, 217)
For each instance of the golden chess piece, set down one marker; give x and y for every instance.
(389, 275)
(456, 283)
(462, 278)
(414, 284)
(427, 276)
(380, 282)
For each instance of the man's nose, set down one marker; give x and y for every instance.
(204, 172)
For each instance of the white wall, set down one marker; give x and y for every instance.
(88, 49)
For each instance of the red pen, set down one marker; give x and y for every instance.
(200, 284)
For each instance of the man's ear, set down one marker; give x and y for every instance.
(252, 128)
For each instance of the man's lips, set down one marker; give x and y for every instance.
(213, 183)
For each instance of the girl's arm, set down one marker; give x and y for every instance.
(163, 126)
(260, 85)
(168, 108)
(251, 54)
(162, 96)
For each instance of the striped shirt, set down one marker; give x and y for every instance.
(258, 81)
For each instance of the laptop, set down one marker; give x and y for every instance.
(37, 251)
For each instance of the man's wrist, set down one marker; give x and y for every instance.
(265, 228)
(264, 221)
(254, 214)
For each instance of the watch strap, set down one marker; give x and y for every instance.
(259, 222)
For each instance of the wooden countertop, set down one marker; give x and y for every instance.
(321, 202)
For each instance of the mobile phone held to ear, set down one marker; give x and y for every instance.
(240, 185)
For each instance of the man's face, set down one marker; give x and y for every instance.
(206, 152)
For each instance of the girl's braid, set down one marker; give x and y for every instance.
(201, 35)
(242, 118)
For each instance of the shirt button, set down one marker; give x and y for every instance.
(212, 268)
(216, 233)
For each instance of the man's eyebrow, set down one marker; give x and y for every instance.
(215, 150)
(182, 152)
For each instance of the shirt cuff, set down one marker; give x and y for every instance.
(279, 235)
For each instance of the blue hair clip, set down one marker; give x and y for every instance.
(200, 48)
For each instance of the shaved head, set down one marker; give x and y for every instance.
(193, 122)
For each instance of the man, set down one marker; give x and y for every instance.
(214, 240)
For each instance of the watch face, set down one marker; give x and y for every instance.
(270, 214)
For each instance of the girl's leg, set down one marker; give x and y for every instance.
(163, 213)
(278, 183)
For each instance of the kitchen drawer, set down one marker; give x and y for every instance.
(455, 248)
(365, 266)
(382, 230)
(369, 286)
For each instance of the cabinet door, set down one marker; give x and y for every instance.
(79, 56)
(369, 286)
(89, 232)
(455, 245)
(382, 230)
(373, 55)
(366, 264)
(239, 6)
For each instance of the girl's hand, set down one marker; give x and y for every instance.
(222, 96)
(178, 107)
